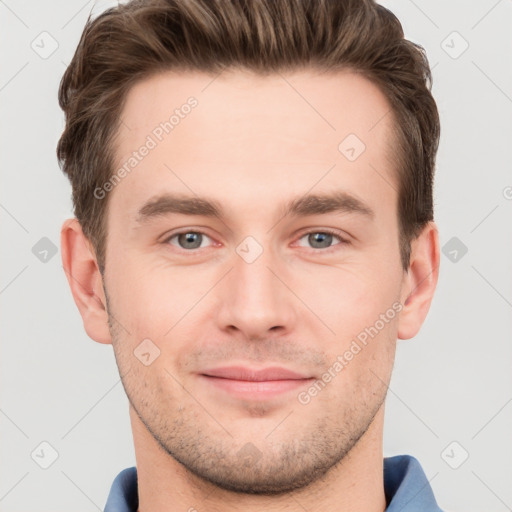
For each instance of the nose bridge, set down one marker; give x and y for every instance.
(253, 299)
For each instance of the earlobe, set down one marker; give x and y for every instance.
(85, 280)
(420, 282)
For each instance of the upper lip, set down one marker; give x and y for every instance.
(244, 373)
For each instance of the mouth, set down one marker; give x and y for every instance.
(261, 384)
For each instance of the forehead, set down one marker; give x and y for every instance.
(332, 104)
(257, 132)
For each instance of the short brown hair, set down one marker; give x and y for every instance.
(131, 42)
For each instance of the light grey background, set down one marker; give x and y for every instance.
(452, 383)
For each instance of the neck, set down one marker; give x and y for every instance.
(356, 483)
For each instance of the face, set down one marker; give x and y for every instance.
(253, 271)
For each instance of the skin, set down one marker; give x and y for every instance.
(252, 143)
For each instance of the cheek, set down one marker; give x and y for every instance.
(361, 310)
(347, 298)
(151, 299)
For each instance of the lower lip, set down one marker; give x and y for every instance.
(258, 390)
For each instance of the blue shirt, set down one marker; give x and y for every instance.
(405, 485)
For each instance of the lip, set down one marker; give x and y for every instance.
(255, 384)
(248, 374)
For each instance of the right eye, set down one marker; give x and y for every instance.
(187, 240)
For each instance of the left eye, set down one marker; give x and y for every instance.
(322, 239)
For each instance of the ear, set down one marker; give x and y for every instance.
(420, 282)
(85, 280)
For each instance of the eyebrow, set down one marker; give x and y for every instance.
(311, 204)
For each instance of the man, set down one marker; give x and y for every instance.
(252, 184)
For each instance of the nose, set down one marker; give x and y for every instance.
(255, 298)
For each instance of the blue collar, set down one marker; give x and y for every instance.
(405, 485)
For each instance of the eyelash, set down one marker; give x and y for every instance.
(327, 231)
